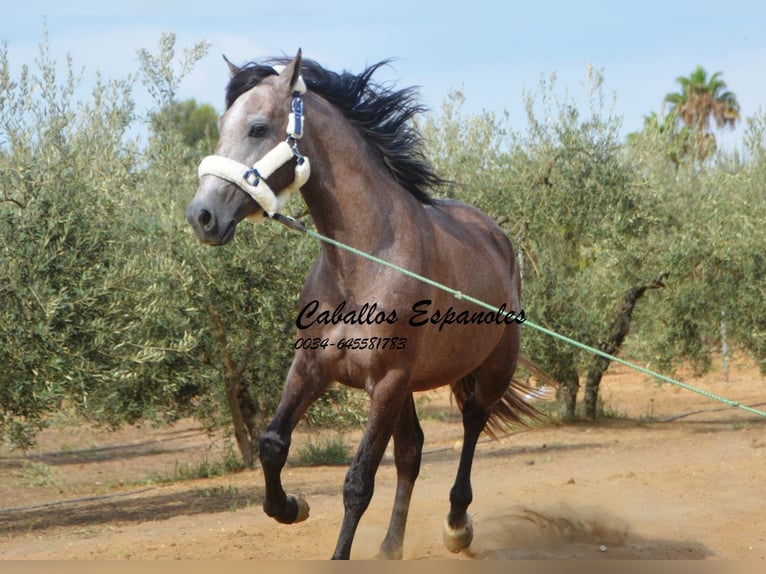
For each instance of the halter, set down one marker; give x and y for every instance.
(252, 180)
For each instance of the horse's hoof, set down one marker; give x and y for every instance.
(388, 556)
(390, 552)
(303, 508)
(457, 539)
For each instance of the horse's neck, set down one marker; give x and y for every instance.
(351, 195)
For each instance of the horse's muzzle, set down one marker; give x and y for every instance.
(209, 226)
(217, 208)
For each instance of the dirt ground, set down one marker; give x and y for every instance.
(669, 475)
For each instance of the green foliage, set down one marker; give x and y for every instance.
(252, 289)
(36, 474)
(710, 241)
(339, 407)
(196, 123)
(64, 168)
(162, 73)
(205, 468)
(593, 217)
(563, 192)
(324, 451)
(108, 304)
(679, 142)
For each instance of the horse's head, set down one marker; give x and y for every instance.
(256, 152)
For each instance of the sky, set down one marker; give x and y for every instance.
(493, 50)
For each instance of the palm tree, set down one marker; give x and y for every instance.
(702, 98)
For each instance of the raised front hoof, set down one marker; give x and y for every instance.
(302, 505)
(457, 539)
(295, 509)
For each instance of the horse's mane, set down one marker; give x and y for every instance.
(381, 113)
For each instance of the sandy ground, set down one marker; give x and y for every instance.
(671, 475)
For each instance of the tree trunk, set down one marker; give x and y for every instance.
(568, 394)
(569, 385)
(617, 333)
(242, 407)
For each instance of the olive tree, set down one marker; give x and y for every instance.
(108, 305)
(88, 319)
(564, 192)
(711, 242)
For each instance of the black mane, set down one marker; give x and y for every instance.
(381, 113)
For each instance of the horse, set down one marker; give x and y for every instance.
(346, 142)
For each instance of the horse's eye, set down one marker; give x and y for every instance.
(257, 130)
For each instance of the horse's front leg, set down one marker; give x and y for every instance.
(302, 387)
(388, 399)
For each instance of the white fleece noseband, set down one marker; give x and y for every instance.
(252, 180)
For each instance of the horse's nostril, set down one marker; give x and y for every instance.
(204, 218)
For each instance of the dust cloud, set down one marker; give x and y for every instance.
(555, 532)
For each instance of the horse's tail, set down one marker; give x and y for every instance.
(512, 408)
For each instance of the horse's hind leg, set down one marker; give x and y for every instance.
(408, 446)
(489, 383)
(458, 527)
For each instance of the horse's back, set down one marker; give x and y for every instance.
(455, 215)
(463, 228)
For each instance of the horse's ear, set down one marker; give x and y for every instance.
(233, 70)
(292, 73)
